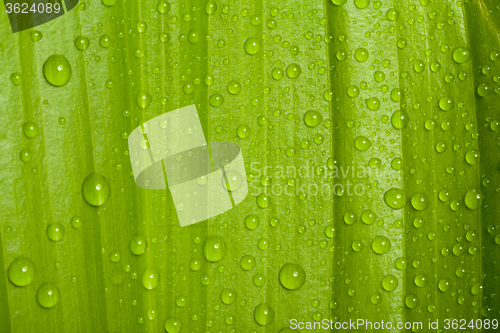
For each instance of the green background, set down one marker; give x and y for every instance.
(185, 56)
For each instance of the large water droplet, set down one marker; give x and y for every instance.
(21, 271)
(47, 295)
(144, 99)
(173, 325)
(472, 199)
(400, 119)
(252, 45)
(228, 296)
(263, 314)
(30, 129)
(419, 201)
(82, 43)
(461, 55)
(313, 118)
(292, 276)
(293, 71)
(381, 245)
(55, 231)
(138, 244)
(57, 70)
(389, 282)
(150, 278)
(96, 189)
(214, 248)
(395, 198)
(412, 301)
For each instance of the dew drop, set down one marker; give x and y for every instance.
(57, 70)
(293, 71)
(292, 276)
(150, 278)
(21, 271)
(263, 314)
(30, 129)
(381, 245)
(82, 43)
(55, 231)
(173, 325)
(313, 118)
(96, 189)
(214, 248)
(137, 244)
(47, 295)
(252, 45)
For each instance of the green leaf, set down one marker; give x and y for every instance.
(369, 132)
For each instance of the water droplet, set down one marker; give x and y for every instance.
(36, 35)
(472, 199)
(137, 244)
(105, 41)
(390, 282)
(472, 157)
(143, 99)
(400, 119)
(361, 54)
(108, 3)
(263, 200)
(247, 262)
(16, 79)
(312, 118)
(47, 295)
(292, 276)
(263, 314)
(373, 103)
(214, 248)
(243, 131)
(55, 231)
(114, 256)
(96, 189)
(446, 103)
(252, 45)
(210, 7)
(216, 99)
(30, 129)
(150, 278)
(252, 221)
(362, 143)
(234, 87)
(57, 70)
(483, 89)
(339, 2)
(421, 281)
(412, 301)
(173, 325)
(392, 14)
(25, 155)
(228, 296)
(461, 55)
(82, 43)
(361, 4)
(419, 201)
(76, 222)
(353, 91)
(444, 285)
(293, 71)
(21, 271)
(381, 245)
